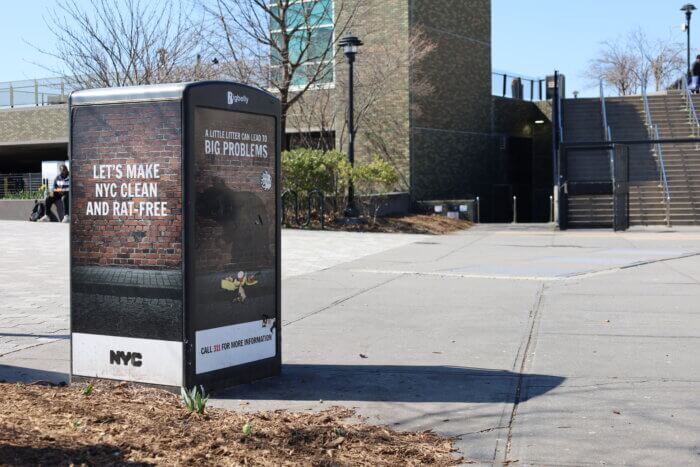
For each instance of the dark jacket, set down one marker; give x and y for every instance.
(696, 68)
(61, 184)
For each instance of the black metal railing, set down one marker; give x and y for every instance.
(290, 200)
(20, 185)
(517, 86)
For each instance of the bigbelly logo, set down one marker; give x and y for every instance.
(119, 357)
(232, 98)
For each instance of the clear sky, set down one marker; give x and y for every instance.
(534, 37)
(530, 37)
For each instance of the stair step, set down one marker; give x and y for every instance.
(627, 119)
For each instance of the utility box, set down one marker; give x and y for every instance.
(516, 88)
(175, 234)
(552, 85)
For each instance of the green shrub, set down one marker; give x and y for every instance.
(374, 177)
(371, 180)
(304, 170)
(39, 194)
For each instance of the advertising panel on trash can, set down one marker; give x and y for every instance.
(175, 234)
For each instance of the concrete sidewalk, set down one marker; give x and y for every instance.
(34, 274)
(545, 347)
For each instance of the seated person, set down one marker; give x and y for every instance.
(61, 191)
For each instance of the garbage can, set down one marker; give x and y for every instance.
(175, 234)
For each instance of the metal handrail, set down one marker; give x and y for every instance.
(667, 191)
(692, 114)
(647, 110)
(653, 132)
(604, 112)
(607, 133)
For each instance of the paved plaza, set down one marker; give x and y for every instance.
(525, 343)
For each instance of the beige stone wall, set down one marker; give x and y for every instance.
(34, 125)
(438, 140)
(383, 130)
(382, 120)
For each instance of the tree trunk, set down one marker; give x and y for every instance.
(283, 122)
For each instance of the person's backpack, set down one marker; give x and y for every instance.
(38, 211)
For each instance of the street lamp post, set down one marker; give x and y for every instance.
(688, 8)
(350, 44)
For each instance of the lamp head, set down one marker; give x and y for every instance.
(350, 44)
(689, 8)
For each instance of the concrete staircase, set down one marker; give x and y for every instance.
(582, 122)
(682, 161)
(627, 122)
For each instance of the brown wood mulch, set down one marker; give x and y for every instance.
(430, 224)
(124, 424)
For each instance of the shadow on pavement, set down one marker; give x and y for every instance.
(388, 383)
(18, 374)
(394, 383)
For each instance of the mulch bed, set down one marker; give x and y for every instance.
(412, 223)
(124, 424)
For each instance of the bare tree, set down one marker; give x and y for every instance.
(387, 133)
(315, 115)
(129, 42)
(280, 44)
(636, 62)
(617, 66)
(381, 128)
(667, 63)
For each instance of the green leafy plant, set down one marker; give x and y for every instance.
(304, 170)
(247, 429)
(26, 195)
(87, 390)
(195, 399)
(376, 176)
(372, 180)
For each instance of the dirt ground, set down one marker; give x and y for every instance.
(412, 223)
(123, 424)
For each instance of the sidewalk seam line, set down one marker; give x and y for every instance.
(341, 300)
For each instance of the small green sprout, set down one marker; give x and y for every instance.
(87, 390)
(248, 429)
(195, 399)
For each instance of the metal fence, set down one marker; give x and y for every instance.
(35, 92)
(517, 87)
(48, 91)
(20, 185)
